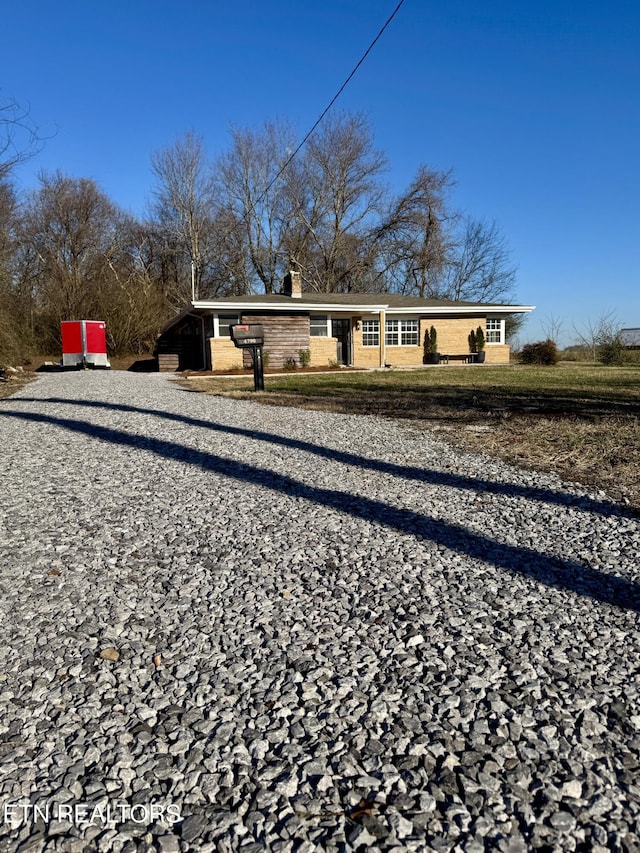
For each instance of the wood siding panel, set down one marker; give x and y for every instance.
(284, 336)
(186, 348)
(168, 362)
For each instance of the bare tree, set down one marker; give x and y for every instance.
(184, 205)
(414, 239)
(131, 299)
(20, 139)
(69, 230)
(326, 212)
(480, 267)
(513, 327)
(80, 256)
(228, 273)
(253, 193)
(602, 331)
(553, 328)
(8, 209)
(341, 206)
(13, 326)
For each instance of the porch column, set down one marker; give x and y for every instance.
(383, 349)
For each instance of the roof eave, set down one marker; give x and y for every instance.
(462, 309)
(334, 307)
(290, 305)
(184, 313)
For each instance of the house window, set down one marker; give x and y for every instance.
(370, 333)
(495, 330)
(401, 333)
(319, 326)
(225, 321)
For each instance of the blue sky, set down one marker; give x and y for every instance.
(535, 107)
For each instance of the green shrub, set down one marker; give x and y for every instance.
(290, 363)
(430, 345)
(543, 352)
(612, 351)
(305, 357)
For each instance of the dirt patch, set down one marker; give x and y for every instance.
(12, 382)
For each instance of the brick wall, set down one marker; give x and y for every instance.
(367, 356)
(453, 337)
(497, 353)
(453, 333)
(404, 356)
(323, 351)
(224, 354)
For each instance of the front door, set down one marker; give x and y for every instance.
(342, 331)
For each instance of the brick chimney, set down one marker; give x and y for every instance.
(292, 284)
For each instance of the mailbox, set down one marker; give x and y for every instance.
(251, 336)
(248, 335)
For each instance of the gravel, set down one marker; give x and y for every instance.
(232, 627)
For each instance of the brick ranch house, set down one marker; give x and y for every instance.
(351, 329)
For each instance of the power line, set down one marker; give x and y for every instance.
(332, 101)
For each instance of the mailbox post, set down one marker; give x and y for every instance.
(251, 336)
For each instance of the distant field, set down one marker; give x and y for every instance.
(581, 421)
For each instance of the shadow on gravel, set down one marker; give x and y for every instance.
(551, 571)
(408, 472)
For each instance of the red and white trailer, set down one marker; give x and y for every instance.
(84, 343)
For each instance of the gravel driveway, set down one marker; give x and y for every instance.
(228, 627)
